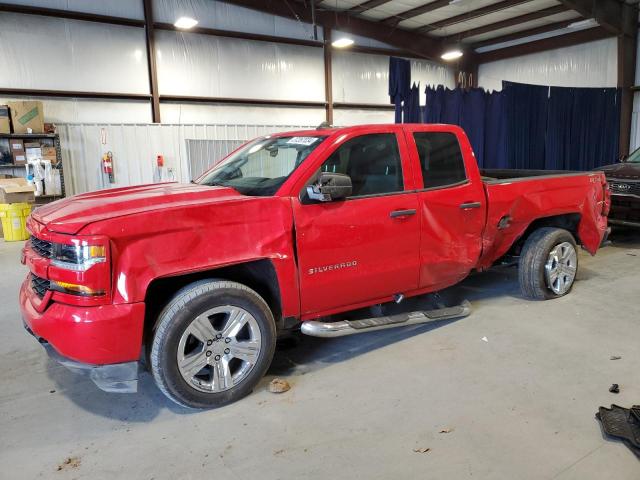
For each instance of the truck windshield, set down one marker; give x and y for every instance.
(634, 157)
(262, 166)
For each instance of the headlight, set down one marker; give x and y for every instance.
(78, 257)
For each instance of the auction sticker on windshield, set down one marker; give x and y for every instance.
(303, 140)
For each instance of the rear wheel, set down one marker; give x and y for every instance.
(548, 264)
(213, 343)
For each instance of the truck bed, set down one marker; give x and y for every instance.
(516, 198)
(496, 175)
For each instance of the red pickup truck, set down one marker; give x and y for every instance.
(201, 278)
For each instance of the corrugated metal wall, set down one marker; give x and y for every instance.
(135, 148)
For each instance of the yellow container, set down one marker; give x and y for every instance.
(14, 221)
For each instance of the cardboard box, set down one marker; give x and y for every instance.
(19, 158)
(49, 153)
(33, 153)
(25, 115)
(16, 190)
(16, 145)
(5, 122)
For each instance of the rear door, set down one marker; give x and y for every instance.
(365, 247)
(452, 205)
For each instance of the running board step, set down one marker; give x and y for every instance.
(351, 327)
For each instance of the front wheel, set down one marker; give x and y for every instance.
(548, 264)
(212, 344)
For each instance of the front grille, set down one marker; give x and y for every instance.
(39, 285)
(625, 208)
(624, 187)
(42, 247)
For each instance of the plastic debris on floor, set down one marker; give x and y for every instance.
(622, 423)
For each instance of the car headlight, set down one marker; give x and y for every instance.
(78, 257)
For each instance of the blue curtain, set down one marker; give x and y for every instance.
(532, 126)
(399, 83)
(412, 111)
(473, 120)
(495, 131)
(583, 128)
(558, 142)
(459, 107)
(434, 104)
(526, 108)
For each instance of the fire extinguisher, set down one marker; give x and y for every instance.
(107, 166)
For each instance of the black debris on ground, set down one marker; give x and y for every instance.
(622, 423)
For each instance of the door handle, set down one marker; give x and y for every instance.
(402, 213)
(467, 205)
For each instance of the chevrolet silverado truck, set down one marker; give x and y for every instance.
(197, 281)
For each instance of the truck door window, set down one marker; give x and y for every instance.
(440, 158)
(372, 161)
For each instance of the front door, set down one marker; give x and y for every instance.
(365, 247)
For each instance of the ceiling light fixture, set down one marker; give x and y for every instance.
(185, 23)
(342, 42)
(588, 23)
(451, 54)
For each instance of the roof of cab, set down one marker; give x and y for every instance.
(331, 130)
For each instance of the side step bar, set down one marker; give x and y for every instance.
(351, 327)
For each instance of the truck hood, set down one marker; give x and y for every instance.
(621, 170)
(70, 215)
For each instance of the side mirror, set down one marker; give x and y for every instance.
(329, 187)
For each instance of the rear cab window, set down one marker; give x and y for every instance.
(441, 161)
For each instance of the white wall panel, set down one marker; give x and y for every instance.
(428, 73)
(79, 110)
(592, 64)
(345, 117)
(224, 16)
(360, 77)
(56, 54)
(202, 65)
(200, 113)
(364, 78)
(115, 8)
(135, 148)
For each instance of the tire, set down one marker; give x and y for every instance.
(225, 329)
(541, 258)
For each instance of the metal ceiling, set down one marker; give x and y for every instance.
(472, 23)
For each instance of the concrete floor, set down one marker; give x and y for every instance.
(520, 405)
